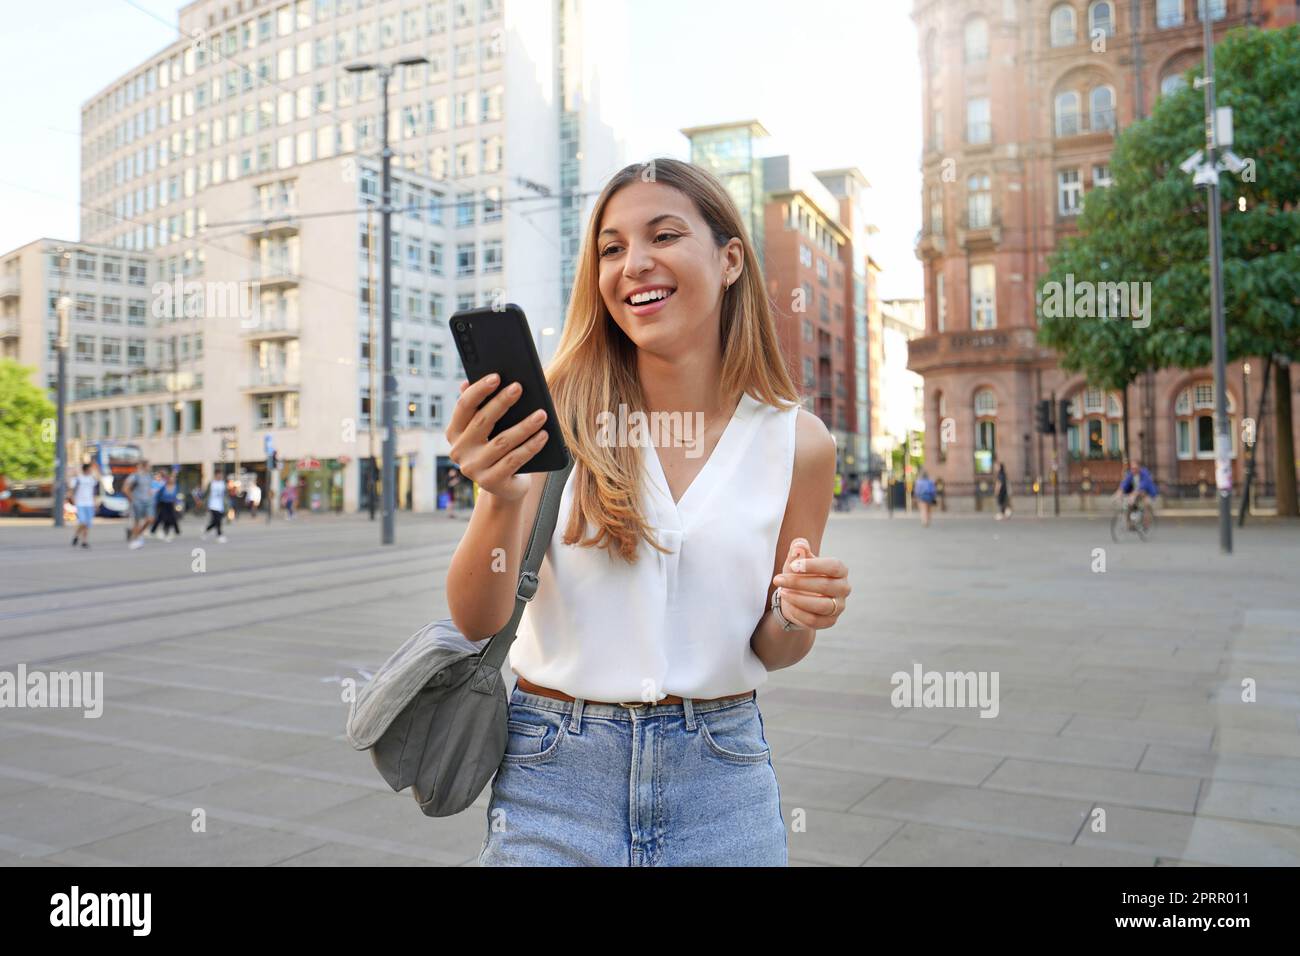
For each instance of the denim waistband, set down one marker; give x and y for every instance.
(615, 712)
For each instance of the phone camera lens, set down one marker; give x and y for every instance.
(460, 326)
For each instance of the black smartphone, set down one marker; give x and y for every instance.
(499, 340)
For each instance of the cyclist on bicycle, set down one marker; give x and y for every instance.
(1136, 486)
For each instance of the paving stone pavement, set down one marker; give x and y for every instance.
(1119, 697)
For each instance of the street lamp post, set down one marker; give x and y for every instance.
(60, 435)
(1205, 167)
(385, 71)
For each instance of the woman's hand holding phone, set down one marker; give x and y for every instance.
(492, 462)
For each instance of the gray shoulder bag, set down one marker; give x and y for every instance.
(434, 715)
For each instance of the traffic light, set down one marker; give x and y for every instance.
(1043, 416)
(1062, 415)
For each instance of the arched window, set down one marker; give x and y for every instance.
(979, 202)
(1101, 109)
(986, 429)
(1096, 427)
(977, 40)
(1194, 422)
(1063, 25)
(940, 414)
(1067, 113)
(1172, 83)
(1101, 16)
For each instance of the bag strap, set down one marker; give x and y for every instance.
(543, 527)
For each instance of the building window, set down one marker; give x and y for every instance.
(1067, 113)
(1101, 176)
(977, 40)
(465, 259)
(940, 302)
(1101, 17)
(936, 210)
(1101, 109)
(492, 204)
(807, 330)
(979, 202)
(493, 257)
(983, 311)
(464, 209)
(805, 256)
(1218, 9)
(1063, 25)
(979, 129)
(1172, 84)
(1069, 192)
(1169, 13)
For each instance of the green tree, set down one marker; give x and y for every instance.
(1150, 225)
(26, 425)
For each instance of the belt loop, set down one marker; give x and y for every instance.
(689, 708)
(575, 717)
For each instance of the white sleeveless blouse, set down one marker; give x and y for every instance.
(677, 623)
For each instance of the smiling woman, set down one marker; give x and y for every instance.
(636, 735)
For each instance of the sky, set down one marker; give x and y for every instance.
(835, 82)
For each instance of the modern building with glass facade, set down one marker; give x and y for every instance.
(243, 158)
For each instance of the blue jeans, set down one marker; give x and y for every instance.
(583, 784)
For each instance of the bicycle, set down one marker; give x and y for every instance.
(1139, 518)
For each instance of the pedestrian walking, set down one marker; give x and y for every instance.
(156, 483)
(82, 497)
(289, 498)
(635, 736)
(1003, 493)
(453, 493)
(925, 496)
(838, 492)
(167, 496)
(216, 507)
(254, 498)
(232, 499)
(139, 486)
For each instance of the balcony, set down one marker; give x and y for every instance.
(930, 244)
(143, 384)
(271, 380)
(9, 328)
(278, 227)
(975, 348)
(979, 232)
(1102, 122)
(271, 326)
(9, 287)
(275, 274)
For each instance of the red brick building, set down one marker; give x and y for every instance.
(1022, 100)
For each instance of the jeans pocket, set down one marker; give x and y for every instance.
(734, 733)
(533, 736)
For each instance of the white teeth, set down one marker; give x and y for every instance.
(653, 295)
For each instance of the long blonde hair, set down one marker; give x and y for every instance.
(594, 367)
